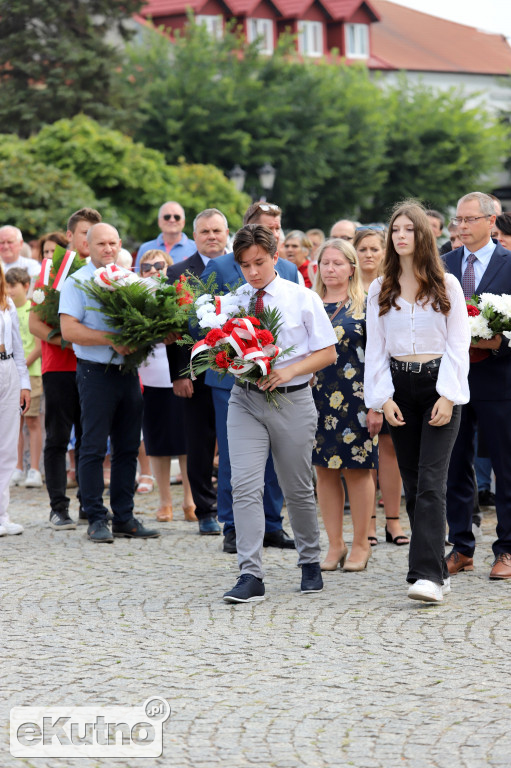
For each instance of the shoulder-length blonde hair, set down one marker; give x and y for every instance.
(355, 288)
(427, 265)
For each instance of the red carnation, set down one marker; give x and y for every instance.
(265, 337)
(214, 336)
(253, 320)
(472, 310)
(228, 327)
(222, 360)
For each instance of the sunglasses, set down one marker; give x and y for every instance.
(158, 266)
(376, 227)
(169, 216)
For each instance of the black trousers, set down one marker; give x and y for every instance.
(423, 454)
(62, 406)
(200, 431)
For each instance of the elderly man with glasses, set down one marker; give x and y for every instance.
(172, 239)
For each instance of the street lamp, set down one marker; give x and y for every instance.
(237, 176)
(267, 177)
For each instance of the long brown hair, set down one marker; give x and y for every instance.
(3, 289)
(427, 265)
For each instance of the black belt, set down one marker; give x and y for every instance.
(407, 367)
(254, 388)
(5, 356)
(101, 366)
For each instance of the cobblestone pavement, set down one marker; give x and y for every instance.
(358, 675)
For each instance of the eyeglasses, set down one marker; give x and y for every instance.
(266, 208)
(376, 227)
(158, 266)
(468, 219)
(169, 216)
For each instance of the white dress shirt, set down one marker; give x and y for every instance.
(483, 256)
(306, 325)
(13, 344)
(417, 330)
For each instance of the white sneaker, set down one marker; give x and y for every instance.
(34, 479)
(427, 591)
(12, 529)
(17, 478)
(446, 586)
(477, 532)
(3, 530)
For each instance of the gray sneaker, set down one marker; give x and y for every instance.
(60, 521)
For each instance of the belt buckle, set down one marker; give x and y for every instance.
(415, 369)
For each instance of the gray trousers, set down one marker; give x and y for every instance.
(253, 427)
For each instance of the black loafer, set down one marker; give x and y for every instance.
(133, 529)
(278, 539)
(100, 533)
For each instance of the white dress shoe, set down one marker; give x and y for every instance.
(427, 591)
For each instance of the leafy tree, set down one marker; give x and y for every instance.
(37, 197)
(437, 148)
(135, 180)
(342, 143)
(55, 60)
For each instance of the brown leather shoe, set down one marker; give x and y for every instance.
(501, 567)
(457, 562)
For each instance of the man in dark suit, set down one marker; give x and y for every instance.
(482, 266)
(229, 274)
(210, 233)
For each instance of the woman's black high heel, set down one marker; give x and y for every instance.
(400, 540)
(373, 541)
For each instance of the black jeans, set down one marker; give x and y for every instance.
(423, 454)
(111, 404)
(62, 406)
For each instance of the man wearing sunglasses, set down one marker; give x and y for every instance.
(172, 239)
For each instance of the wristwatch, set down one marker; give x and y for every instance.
(378, 410)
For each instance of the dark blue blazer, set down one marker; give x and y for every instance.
(229, 274)
(179, 357)
(489, 379)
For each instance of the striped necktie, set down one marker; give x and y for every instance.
(468, 281)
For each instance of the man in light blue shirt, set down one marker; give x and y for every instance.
(172, 240)
(110, 400)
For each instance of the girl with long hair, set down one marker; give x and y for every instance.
(416, 372)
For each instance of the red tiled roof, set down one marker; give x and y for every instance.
(342, 10)
(294, 9)
(158, 8)
(411, 40)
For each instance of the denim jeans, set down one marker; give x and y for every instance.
(62, 411)
(423, 454)
(111, 404)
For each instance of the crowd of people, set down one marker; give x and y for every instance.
(381, 390)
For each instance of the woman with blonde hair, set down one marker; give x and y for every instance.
(346, 439)
(417, 366)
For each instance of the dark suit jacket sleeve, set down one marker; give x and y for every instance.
(179, 356)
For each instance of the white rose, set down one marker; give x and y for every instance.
(38, 296)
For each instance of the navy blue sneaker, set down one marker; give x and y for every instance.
(248, 589)
(208, 526)
(133, 529)
(312, 581)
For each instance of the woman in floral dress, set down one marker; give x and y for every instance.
(346, 440)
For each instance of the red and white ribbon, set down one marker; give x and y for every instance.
(63, 270)
(45, 271)
(248, 349)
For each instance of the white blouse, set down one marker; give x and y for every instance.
(417, 330)
(13, 344)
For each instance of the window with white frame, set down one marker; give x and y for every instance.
(214, 25)
(310, 38)
(262, 29)
(357, 41)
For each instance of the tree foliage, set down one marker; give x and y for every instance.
(55, 60)
(341, 143)
(75, 163)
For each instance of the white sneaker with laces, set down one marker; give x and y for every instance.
(17, 478)
(12, 529)
(446, 586)
(34, 479)
(427, 591)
